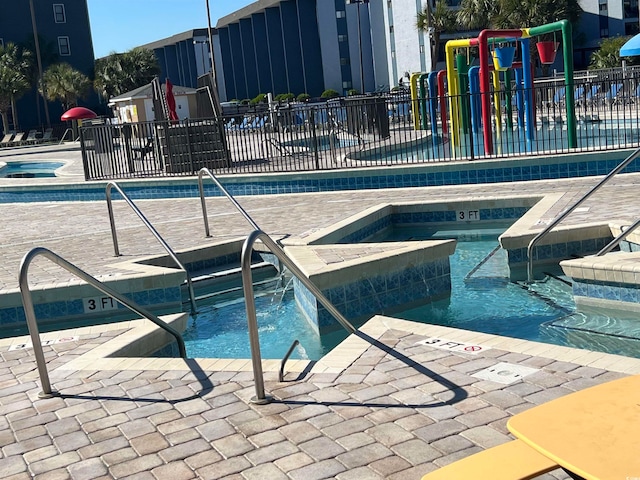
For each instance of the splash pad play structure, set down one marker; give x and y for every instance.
(476, 95)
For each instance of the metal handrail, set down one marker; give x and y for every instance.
(594, 189)
(206, 171)
(147, 224)
(616, 241)
(32, 324)
(247, 285)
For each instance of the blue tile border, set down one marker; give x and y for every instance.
(302, 182)
(377, 294)
(613, 291)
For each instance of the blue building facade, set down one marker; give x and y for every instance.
(294, 46)
(183, 57)
(65, 36)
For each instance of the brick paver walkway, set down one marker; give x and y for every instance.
(393, 414)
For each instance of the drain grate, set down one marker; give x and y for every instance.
(505, 373)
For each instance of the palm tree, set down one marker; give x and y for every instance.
(608, 55)
(122, 72)
(436, 20)
(63, 82)
(14, 79)
(478, 14)
(530, 13)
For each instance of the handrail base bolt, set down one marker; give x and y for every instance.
(262, 401)
(43, 395)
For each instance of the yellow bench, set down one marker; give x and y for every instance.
(513, 460)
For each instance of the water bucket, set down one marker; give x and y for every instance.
(547, 51)
(503, 57)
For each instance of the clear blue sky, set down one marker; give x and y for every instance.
(120, 25)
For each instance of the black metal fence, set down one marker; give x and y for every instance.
(385, 129)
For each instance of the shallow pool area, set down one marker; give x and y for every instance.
(29, 169)
(483, 299)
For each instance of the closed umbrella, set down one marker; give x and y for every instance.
(78, 113)
(171, 100)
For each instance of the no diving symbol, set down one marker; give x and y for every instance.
(472, 348)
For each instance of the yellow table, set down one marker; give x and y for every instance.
(594, 433)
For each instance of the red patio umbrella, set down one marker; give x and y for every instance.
(78, 113)
(171, 100)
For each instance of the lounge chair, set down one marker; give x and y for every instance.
(32, 137)
(143, 150)
(17, 140)
(47, 136)
(6, 140)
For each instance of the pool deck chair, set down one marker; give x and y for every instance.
(514, 460)
(143, 150)
(32, 137)
(6, 140)
(17, 140)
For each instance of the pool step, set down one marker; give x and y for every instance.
(492, 271)
(224, 282)
(228, 272)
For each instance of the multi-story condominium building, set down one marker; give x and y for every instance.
(65, 36)
(308, 46)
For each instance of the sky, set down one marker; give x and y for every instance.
(120, 25)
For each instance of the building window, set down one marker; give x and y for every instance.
(603, 7)
(344, 61)
(421, 48)
(346, 85)
(340, 14)
(631, 29)
(390, 28)
(342, 38)
(63, 46)
(604, 32)
(58, 13)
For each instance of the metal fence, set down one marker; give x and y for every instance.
(384, 129)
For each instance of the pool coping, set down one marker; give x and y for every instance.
(336, 361)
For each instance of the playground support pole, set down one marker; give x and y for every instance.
(422, 91)
(528, 92)
(452, 87)
(567, 53)
(432, 82)
(520, 97)
(474, 88)
(442, 74)
(415, 102)
(483, 47)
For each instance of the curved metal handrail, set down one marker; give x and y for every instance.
(616, 241)
(247, 285)
(32, 324)
(147, 224)
(566, 213)
(206, 171)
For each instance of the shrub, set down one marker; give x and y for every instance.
(329, 93)
(260, 98)
(303, 97)
(284, 97)
(352, 92)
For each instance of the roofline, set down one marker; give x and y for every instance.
(178, 37)
(244, 12)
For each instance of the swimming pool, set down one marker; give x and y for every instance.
(482, 299)
(29, 169)
(548, 137)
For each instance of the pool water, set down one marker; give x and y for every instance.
(220, 330)
(483, 299)
(29, 169)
